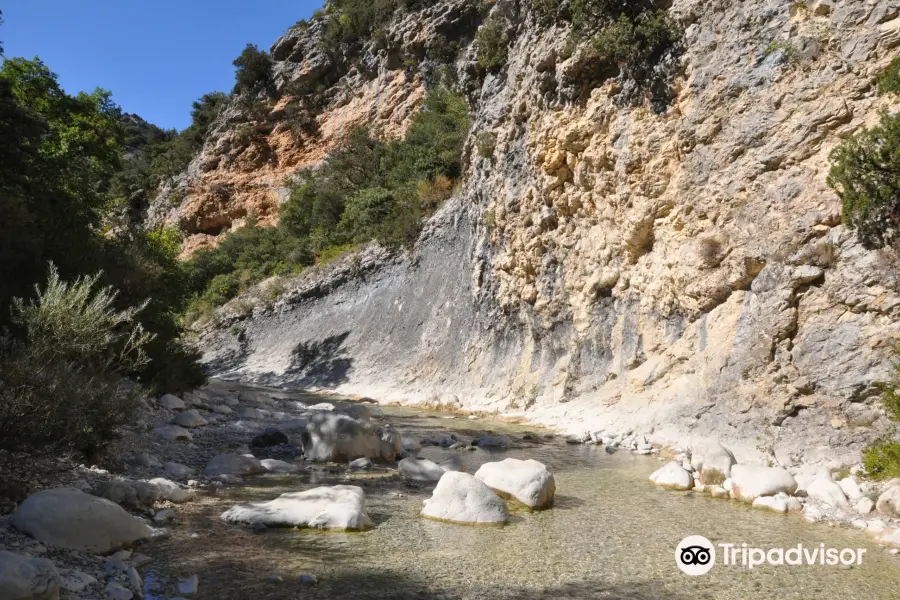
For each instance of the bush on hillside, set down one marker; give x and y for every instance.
(492, 44)
(253, 71)
(61, 385)
(889, 79)
(636, 46)
(367, 189)
(865, 173)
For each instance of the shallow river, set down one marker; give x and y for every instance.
(611, 534)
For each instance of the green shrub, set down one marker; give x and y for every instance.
(484, 143)
(865, 173)
(882, 459)
(492, 45)
(637, 45)
(548, 10)
(889, 79)
(61, 384)
(253, 71)
(590, 15)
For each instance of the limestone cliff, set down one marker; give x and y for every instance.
(676, 268)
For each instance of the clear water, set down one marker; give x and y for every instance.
(610, 535)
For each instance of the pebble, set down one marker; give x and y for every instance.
(308, 579)
(274, 579)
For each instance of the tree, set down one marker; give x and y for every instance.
(253, 71)
(865, 173)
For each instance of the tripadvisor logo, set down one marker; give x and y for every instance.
(696, 555)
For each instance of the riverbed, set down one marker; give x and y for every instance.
(611, 534)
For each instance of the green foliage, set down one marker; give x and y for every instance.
(484, 143)
(633, 35)
(882, 459)
(865, 173)
(889, 79)
(60, 382)
(636, 45)
(353, 21)
(253, 71)
(547, 10)
(492, 44)
(60, 163)
(367, 189)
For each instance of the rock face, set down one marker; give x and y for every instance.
(341, 507)
(673, 476)
(69, 518)
(679, 266)
(339, 438)
(26, 578)
(750, 482)
(461, 498)
(528, 481)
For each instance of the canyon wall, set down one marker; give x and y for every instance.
(676, 266)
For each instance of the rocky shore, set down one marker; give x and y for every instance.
(88, 533)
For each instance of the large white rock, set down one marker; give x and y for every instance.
(338, 438)
(190, 418)
(528, 481)
(69, 518)
(340, 507)
(136, 495)
(828, 492)
(178, 470)
(171, 402)
(278, 466)
(420, 469)
(851, 488)
(712, 461)
(173, 433)
(462, 498)
(750, 482)
(889, 501)
(171, 491)
(781, 503)
(233, 464)
(26, 578)
(222, 409)
(673, 476)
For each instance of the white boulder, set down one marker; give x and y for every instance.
(26, 578)
(341, 507)
(222, 409)
(713, 461)
(781, 503)
(278, 466)
(889, 501)
(69, 518)
(420, 469)
(178, 470)
(828, 492)
(233, 464)
(462, 498)
(673, 476)
(749, 482)
(173, 433)
(335, 437)
(864, 505)
(851, 488)
(528, 481)
(171, 491)
(171, 402)
(190, 419)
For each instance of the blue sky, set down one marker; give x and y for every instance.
(156, 56)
